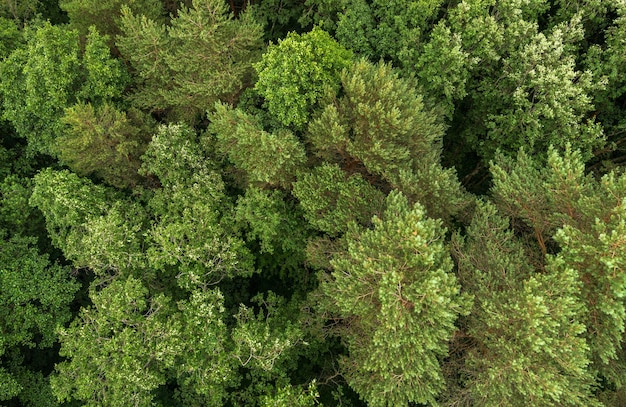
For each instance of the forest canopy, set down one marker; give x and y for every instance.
(311, 202)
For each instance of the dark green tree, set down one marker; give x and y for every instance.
(105, 15)
(203, 56)
(105, 142)
(35, 299)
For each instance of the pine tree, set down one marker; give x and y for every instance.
(266, 159)
(203, 56)
(524, 340)
(396, 300)
(581, 218)
(381, 129)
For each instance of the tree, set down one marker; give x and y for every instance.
(511, 84)
(389, 30)
(49, 75)
(183, 67)
(130, 343)
(266, 159)
(396, 299)
(105, 15)
(332, 199)
(105, 142)
(381, 129)
(189, 231)
(295, 74)
(605, 61)
(35, 299)
(523, 343)
(581, 218)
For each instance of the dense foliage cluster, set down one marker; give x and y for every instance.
(311, 202)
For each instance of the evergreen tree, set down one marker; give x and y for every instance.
(396, 299)
(585, 217)
(203, 56)
(524, 342)
(266, 159)
(105, 142)
(381, 129)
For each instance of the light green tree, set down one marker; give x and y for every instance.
(524, 342)
(129, 343)
(50, 74)
(296, 73)
(397, 299)
(381, 129)
(583, 217)
(266, 159)
(189, 231)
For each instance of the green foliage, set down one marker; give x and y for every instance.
(92, 226)
(264, 341)
(35, 299)
(272, 219)
(380, 127)
(104, 15)
(525, 329)
(197, 263)
(444, 75)
(332, 199)
(49, 75)
(129, 343)
(267, 159)
(189, 232)
(105, 77)
(38, 83)
(35, 294)
(10, 37)
(390, 30)
(184, 66)
(586, 217)
(277, 16)
(517, 86)
(112, 244)
(292, 396)
(549, 97)
(296, 73)
(381, 121)
(15, 214)
(66, 201)
(105, 142)
(19, 10)
(398, 299)
(607, 61)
